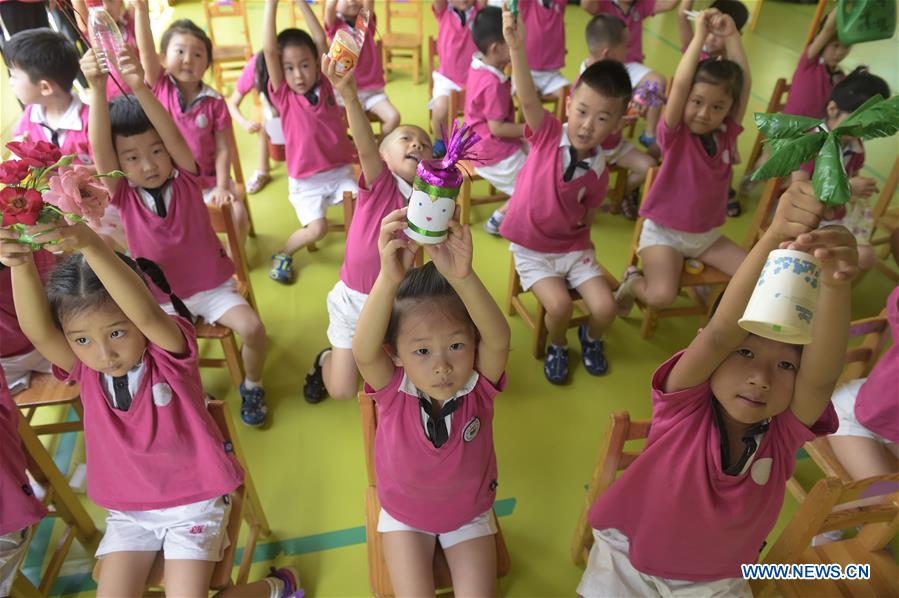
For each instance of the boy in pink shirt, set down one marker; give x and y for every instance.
(385, 186)
(341, 15)
(560, 188)
(544, 21)
(164, 217)
(729, 414)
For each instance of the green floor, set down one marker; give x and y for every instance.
(308, 463)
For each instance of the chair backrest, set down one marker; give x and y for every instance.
(761, 219)
(236, 167)
(433, 59)
(455, 110)
(874, 334)
(223, 224)
(218, 11)
(779, 96)
(369, 426)
(887, 192)
(399, 10)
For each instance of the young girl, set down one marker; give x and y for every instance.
(200, 112)
(544, 21)
(729, 414)
(432, 347)
(688, 200)
(319, 153)
(156, 459)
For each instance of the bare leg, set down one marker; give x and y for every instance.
(862, 457)
(263, 152)
(340, 374)
(601, 303)
(473, 567)
(638, 164)
(389, 115)
(310, 233)
(866, 257)
(184, 579)
(553, 295)
(725, 255)
(246, 323)
(439, 115)
(125, 573)
(410, 562)
(241, 221)
(662, 266)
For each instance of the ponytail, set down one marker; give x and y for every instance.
(157, 277)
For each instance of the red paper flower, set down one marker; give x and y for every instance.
(13, 172)
(75, 191)
(20, 206)
(38, 154)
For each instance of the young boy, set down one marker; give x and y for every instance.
(489, 110)
(550, 213)
(713, 47)
(544, 22)
(164, 216)
(385, 186)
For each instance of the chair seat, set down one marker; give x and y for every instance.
(213, 331)
(45, 389)
(709, 276)
(402, 41)
(889, 220)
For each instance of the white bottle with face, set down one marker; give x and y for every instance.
(429, 215)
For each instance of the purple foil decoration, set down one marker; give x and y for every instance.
(649, 94)
(444, 172)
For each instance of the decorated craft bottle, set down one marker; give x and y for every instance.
(104, 33)
(865, 20)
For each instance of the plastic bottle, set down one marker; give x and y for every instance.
(105, 35)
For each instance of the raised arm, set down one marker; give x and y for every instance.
(825, 36)
(270, 44)
(684, 29)
(149, 57)
(514, 33)
(665, 6)
(439, 5)
(315, 28)
(686, 69)
(724, 26)
(99, 130)
(330, 13)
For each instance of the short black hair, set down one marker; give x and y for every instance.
(608, 78)
(296, 37)
(186, 27)
(43, 54)
(487, 28)
(127, 118)
(857, 88)
(604, 30)
(735, 9)
(727, 73)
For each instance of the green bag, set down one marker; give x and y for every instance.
(865, 20)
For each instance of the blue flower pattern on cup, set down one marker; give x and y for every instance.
(804, 268)
(805, 315)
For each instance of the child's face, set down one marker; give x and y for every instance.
(436, 350)
(27, 91)
(186, 58)
(462, 4)
(592, 117)
(834, 53)
(707, 107)
(115, 8)
(104, 339)
(349, 8)
(404, 148)
(144, 159)
(756, 381)
(300, 68)
(714, 45)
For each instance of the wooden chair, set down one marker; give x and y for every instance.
(378, 575)
(245, 507)
(46, 391)
(228, 60)
(403, 45)
(237, 174)
(886, 219)
(610, 462)
(349, 206)
(433, 59)
(775, 104)
(764, 212)
(836, 505)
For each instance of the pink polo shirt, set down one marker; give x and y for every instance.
(435, 489)
(182, 243)
(455, 46)
(489, 97)
(18, 506)
(361, 261)
(166, 450)
(690, 190)
(206, 115)
(545, 29)
(369, 70)
(545, 212)
(71, 129)
(315, 136)
(877, 403)
(633, 18)
(810, 88)
(13, 341)
(247, 80)
(684, 517)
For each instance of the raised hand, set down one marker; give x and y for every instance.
(722, 25)
(344, 83)
(513, 29)
(396, 249)
(453, 256)
(798, 212)
(130, 68)
(90, 66)
(863, 186)
(836, 250)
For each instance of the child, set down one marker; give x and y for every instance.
(455, 47)
(124, 16)
(164, 216)
(714, 46)
(341, 14)
(490, 113)
(687, 201)
(544, 22)
(319, 153)
(868, 409)
(607, 40)
(42, 66)
(560, 188)
(245, 85)
(847, 96)
(432, 347)
(200, 112)
(386, 185)
(729, 414)
(632, 13)
(156, 459)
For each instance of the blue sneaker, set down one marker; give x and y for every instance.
(646, 140)
(252, 407)
(439, 149)
(555, 364)
(591, 352)
(291, 580)
(492, 224)
(281, 270)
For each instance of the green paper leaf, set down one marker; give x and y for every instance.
(112, 174)
(789, 154)
(781, 126)
(830, 180)
(875, 118)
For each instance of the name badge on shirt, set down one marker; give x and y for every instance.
(202, 121)
(471, 429)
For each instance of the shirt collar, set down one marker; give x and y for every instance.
(592, 159)
(205, 92)
(405, 188)
(409, 388)
(467, 12)
(477, 62)
(71, 119)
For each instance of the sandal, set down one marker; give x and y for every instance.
(734, 209)
(257, 182)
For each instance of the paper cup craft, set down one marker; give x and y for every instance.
(782, 306)
(434, 190)
(345, 49)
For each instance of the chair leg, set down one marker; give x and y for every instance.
(648, 329)
(246, 204)
(465, 202)
(233, 359)
(416, 65)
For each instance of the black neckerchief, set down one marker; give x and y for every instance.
(574, 164)
(350, 22)
(54, 134)
(311, 96)
(750, 446)
(122, 393)
(436, 426)
(709, 144)
(158, 195)
(460, 14)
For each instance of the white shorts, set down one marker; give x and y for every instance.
(12, 553)
(311, 196)
(482, 525)
(613, 155)
(549, 82)
(504, 173)
(636, 71)
(19, 367)
(194, 532)
(609, 572)
(443, 85)
(689, 244)
(344, 307)
(272, 123)
(212, 304)
(844, 403)
(369, 98)
(576, 267)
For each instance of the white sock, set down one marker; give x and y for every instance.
(321, 360)
(275, 587)
(250, 384)
(498, 216)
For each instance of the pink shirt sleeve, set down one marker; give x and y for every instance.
(384, 396)
(497, 108)
(221, 117)
(247, 80)
(647, 8)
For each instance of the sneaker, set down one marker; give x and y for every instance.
(252, 407)
(281, 270)
(439, 149)
(734, 209)
(492, 225)
(651, 146)
(291, 580)
(630, 205)
(257, 182)
(747, 184)
(827, 537)
(555, 364)
(591, 352)
(314, 390)
(624, 295)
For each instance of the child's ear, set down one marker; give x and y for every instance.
(46, 87)
(391, 352)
